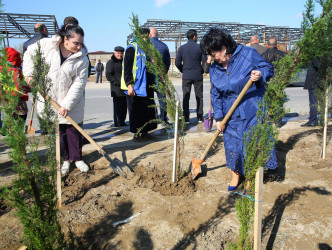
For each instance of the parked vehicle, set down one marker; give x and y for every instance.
(298, 79)
(93, 70)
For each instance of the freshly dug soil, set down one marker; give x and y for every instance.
(200, 214)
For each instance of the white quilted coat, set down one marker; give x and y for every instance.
(68, 80)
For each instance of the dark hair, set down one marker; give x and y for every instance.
(191, 33)
(40, 28)
(145, 31)
(70, 19)
(69, 30)
(215, 38)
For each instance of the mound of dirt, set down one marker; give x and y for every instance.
(159, 181)
(200, 214)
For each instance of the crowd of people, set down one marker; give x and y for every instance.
(229, 64)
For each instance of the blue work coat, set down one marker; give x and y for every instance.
(226, 85)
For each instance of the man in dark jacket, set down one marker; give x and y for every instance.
(272, 54)
(164, 52)
(189, 62)
(310, 83)
(99, 70)
(40, 33)
(113, 74)
(254, 42)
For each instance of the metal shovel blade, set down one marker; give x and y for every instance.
(121, 169)
(31, 130)
(195, 167)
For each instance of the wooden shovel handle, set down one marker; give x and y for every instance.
(32, 110)
(226, 118)
(210, 100)
(68, 118)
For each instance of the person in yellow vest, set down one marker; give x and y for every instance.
(137, 83)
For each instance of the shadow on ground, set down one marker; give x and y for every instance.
(271, 222)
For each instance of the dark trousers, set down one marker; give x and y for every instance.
(186, 89)
(119, 110)
(130, 101)
(312, 105)
(70, 143)
(99, 74)
(162, 106)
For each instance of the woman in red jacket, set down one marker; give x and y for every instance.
(14, 60)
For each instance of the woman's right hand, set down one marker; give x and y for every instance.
(131, 91)
(28, 80)
(63, 112)
(219, 126)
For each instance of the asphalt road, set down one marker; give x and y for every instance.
(99, 104)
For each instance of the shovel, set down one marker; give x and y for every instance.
(208, 121)
(196, 163)
(30, 129)
(118, 167)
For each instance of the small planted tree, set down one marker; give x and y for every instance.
(259, 142)
(155, 65)
(319, 32)
(33, 192)
(323, 93)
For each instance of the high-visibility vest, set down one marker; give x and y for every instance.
(138, 71)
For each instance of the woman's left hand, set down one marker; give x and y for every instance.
(255, 75)
(63, 112)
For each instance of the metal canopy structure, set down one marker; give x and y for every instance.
(176, 30)
(22, 25)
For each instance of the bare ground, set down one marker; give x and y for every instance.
(200, 214)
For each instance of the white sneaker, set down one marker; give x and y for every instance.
(82, 166)
(65, 167)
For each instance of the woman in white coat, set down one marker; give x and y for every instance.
(67, 57)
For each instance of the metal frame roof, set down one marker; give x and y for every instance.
(176, 30)
(22, 25)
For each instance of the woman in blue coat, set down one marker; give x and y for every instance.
(233, 66)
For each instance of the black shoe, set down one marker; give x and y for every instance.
(200, 119)
(186, 120)
(123, 124)
(146, 136)
(309, 124)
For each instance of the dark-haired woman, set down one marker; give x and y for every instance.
(233, 66)
(66, 55)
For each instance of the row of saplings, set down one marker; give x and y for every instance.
(33, 192)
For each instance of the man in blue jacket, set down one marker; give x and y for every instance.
(40, 33)
(164, 52)
(189, 62)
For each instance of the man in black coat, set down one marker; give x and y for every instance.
(310, 83)
(40, 33)
(99, 70)
(164, 52)
(113, 74)
(254, 42)
(189, 62)
(272, 54)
